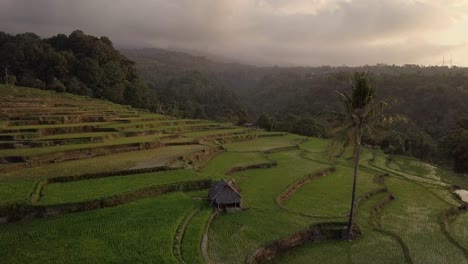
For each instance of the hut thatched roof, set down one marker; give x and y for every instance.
(224, 192)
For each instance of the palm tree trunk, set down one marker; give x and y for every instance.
(357, 154)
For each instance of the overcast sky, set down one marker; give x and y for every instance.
(298, 32)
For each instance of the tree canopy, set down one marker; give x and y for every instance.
(87, 65)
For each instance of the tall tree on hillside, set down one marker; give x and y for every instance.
(455, 146)
(265, 121)
(363, 115)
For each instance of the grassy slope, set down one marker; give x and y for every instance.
(223, 162)
(113, 162)
(16, 191)
(261, 187)
(140, 232)
(415, 216)
(260, 223)
(331, 193)
(373, 247)
(60, 148)
(459, 229)
(16, 186)
(264, 144)
(72, 192)
(193, 236)
(233, 237)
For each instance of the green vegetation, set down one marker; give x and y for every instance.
(215, 133)
(78, 64)
(325, 252)
(293, 98)
(80, 135)
(415, 167)
(78, 191)
(227, 160)
(373, 247)
(331, 193)
(363, 117)
(191, 240)
(107, 163)
(63, 148)
(418, 224)
(286, 181)
(266, 143)
(138, 232)
(233, 237)
(274, 180)
(16, 191)
(459, 229)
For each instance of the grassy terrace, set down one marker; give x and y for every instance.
(113, 162)
(373, 247)
(216, 132)
(80, 135)
(380, 161)
(16, 186)
(416, 167)
(232, 238)
(418, 224)
(193, 236)
(146, 230)
(459, 229)
(276, 179)
(329, 199)
(146, 124)
(227, 160)
(16, 191)
(264, 144)
(61, 148)
(85, 190)
(138, 232)
(39, 127)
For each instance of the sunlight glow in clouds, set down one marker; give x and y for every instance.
(302, 32)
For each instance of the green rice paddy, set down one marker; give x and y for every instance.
(265, 166)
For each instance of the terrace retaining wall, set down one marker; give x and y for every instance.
(18, 212)
(315, 233)
(301, 182)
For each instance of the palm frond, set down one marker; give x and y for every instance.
(346, 101)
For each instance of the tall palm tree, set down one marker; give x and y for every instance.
(363, 115)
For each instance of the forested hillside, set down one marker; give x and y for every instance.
(435, 98)
(78, 63)
(183, 87)
(277, 98)
(86, 65)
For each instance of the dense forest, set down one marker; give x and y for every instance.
(186, 91)
(87, 65)
(78, 64)
(291, 99)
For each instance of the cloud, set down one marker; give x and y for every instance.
(311, 32)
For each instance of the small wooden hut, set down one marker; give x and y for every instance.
(225, 196)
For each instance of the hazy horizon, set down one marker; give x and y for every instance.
(263, 32)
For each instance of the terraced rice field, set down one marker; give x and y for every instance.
(327, 203)
(418, 224)
(92, 189)
(87, 181)
(137, 232)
